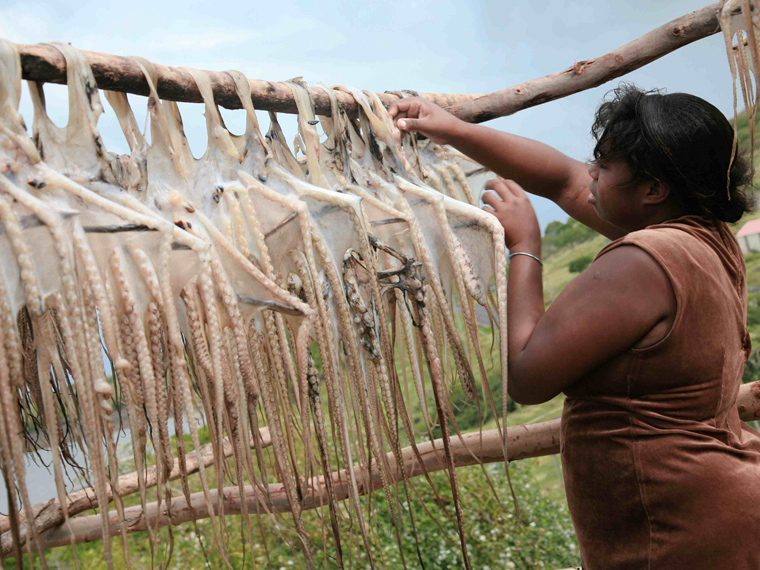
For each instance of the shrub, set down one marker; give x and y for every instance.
(495, 537)
(753, 310)
(580, 263)
(557, 235)
(752, 368)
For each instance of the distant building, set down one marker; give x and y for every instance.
(749, 237)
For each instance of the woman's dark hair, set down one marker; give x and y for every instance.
(680, 140)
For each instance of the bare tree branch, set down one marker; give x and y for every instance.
(49, 514)
(524, 441)
(42, 62)
(590, 73)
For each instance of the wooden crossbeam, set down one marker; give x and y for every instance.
(50, 514)
(43, 62)
(525, 441)
(591, 73)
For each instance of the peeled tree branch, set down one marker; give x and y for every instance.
(590, 73)
(525, 441)
(45, 63)
(50, 514)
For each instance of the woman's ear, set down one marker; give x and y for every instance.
(656, 192)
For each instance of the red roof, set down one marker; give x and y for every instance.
(751, 227)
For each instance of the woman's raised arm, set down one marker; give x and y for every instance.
(537, 167)
(622, 299)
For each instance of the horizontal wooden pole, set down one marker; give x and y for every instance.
(525, 441)
(591, 73)
(748, 401)
(43, 62)
(49, 514)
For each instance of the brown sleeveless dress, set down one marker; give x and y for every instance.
(659, 470)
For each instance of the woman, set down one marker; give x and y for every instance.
(649, 343)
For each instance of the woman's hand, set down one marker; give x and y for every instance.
(511, 206)
(418, 114)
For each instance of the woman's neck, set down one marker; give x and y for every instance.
(668, 212)
(652, 216)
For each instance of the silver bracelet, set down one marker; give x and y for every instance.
(511, 255)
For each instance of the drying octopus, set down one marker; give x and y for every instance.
(739, 22)
(210, 286)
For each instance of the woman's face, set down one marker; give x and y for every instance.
(611, 194)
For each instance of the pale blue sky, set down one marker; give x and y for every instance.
(453, 46)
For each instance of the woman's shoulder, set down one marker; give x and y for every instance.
(693, 235)
(688, 247)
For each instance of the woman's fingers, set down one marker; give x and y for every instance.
(409, 110)
(407, 114)
(420, 115)
(406, 118)
(408, 124)
(400, 106)
(404, 108)
(515, 188)
(506, 200)
(499, 187)
(505, 188)
(492, 200)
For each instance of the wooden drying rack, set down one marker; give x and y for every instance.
(44, 63)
